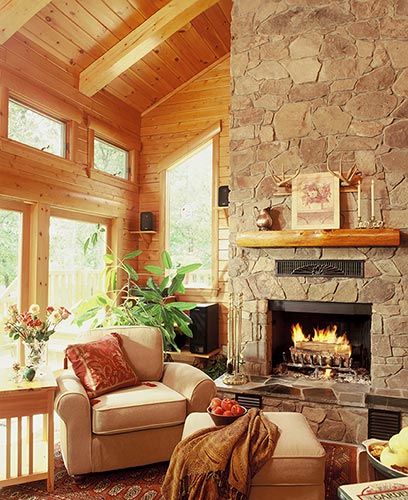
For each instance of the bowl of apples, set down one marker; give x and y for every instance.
(225, 411)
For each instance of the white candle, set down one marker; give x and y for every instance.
(359, 199)
(372, 198)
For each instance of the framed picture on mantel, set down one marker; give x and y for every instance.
(316, 201)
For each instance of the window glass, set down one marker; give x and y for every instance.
(10, 258)
(189, 215)
(110, 159)
(35, 129)
(73, 276)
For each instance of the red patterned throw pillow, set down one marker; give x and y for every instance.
(101, 365)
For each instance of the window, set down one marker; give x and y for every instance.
(73, 275)
(10, 272)
(36, 129)
(189, 186)
(110, 159)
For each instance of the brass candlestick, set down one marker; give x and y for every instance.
(373, 223)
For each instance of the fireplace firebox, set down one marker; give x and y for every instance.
(351, 320)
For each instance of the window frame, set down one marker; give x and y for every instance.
(23, 208)
(111, 144)
(25, 261)
(117, 138)
(40, 111)
(212, 134)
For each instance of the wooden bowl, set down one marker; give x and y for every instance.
(224, 420)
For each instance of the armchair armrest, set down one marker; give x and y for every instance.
(193, 383)
(74, 409)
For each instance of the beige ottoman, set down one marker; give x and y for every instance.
(296, 470)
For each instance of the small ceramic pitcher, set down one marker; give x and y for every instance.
(263, 218)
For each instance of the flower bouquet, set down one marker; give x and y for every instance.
(34, 331)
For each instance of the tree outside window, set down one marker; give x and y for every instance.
(189, 214)
(10, 257)
(110, 159)
(73, 275)
(35, 129)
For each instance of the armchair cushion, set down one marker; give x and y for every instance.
(142, 346)
(138, 408)
(101, 365)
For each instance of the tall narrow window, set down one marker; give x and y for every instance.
(110, 159)
(73, 275)
(189, 214)
(10, 279)
(36, 129)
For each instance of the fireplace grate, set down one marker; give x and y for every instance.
(320, 267)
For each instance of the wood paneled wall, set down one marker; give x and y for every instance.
(165, 129)
(38, 177)
(34, 176)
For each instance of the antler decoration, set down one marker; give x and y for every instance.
(346, 178)
(281, 180)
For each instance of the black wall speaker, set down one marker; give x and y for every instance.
(223, 195)
(146, 221)
(204, 326)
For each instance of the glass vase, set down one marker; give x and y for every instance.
(36, 354)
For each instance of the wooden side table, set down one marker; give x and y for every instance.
(27, 457)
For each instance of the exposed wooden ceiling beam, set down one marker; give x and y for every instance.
(15, 13)
(154, 31)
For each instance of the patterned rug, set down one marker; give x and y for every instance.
(341, 467)
(143, 483)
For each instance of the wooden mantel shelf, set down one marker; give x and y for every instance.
(320, 238)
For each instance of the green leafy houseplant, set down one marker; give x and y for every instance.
(150, 305)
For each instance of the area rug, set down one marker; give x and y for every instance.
(143, 483)
(341, 467)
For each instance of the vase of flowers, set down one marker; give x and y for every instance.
(34, 331)
(35, 353)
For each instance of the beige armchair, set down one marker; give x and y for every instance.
(135, 425)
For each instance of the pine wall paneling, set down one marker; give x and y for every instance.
(47, 181)
(164, 130)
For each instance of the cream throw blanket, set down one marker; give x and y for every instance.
(218, 463)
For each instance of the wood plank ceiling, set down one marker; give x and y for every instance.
(140, 51)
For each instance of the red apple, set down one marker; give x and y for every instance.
(237, 410)
(227, 404)
(218, 411)
(215, 402)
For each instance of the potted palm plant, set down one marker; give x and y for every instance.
(132, 304)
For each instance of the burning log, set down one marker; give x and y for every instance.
(324, 349)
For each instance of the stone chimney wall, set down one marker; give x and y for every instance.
(317, 81)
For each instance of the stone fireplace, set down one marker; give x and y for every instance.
(314, 82)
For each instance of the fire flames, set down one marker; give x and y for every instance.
(326, 338)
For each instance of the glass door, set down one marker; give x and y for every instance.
(10, 276)
(73, 275)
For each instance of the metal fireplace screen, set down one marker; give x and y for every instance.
(346, 268)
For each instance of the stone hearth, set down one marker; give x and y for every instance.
(335, 411)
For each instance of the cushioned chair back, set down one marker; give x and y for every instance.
(142, 345)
